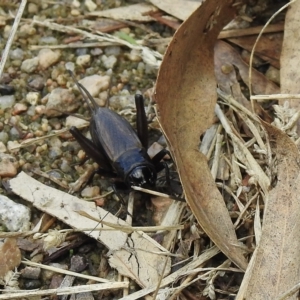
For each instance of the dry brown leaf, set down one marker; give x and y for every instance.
(260, 84)
(181, 9)
(290, 56)
(10, 256)
(186, 95)
(268, 46)
(275, 266)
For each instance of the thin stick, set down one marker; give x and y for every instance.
(140, 189)
(275, 97)
(232, 33)
(66, 291)
(12, 35)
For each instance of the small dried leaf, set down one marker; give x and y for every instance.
(10, 256)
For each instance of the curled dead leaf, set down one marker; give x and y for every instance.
(186, 97)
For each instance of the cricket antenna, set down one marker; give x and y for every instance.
(85, 93)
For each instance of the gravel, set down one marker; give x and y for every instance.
(45, 94)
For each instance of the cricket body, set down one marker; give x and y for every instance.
(118, 149)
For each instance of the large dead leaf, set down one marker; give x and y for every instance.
(290, 56)
(186, 95)
(275, 266)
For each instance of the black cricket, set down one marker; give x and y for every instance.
(118, 149)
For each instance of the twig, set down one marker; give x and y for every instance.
(275, 97)
(140, 189)
(66, 291)
(12, 35)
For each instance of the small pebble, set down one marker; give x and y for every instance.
(60, 101)
(75, 3)
(14, 134)
(90, 192)
(70, 66)
(124, 76)
(77, 122)
(273, 74)
(90, 5)
(31, 111)
(5, 78)
(30, 65)
(6, 31)
(95, 84)
(32, 284)
(31, 272)
(61, 79)
(65, 166)
(3, 148)
(14, 216)
(55, 142)
(121, 101)
(47, 58)
(83, 60)
(109, 61)
(32, 8)
(134, 55)
(74, 12)
(48, 40)
(45, 127)
(8, 165)
(33, 98)
(12, 145)
(19, 108)
(54, 153)
(26, 30)
(7, 101)
(37, 83)
(96, 51)
(112, 50)
(81, 51)
(100, 202)
(101, 101)
(81, 154)
(39, 109)
(48, 274)
(17, 53)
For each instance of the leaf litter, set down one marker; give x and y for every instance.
(254, 165)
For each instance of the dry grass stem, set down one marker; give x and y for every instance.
(218, 147)
(12, 35)
(275, 97)
(66, 291)
(243, 154)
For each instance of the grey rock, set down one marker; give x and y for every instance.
(47, 58)
(30, 65)
(8, 165)
(15, 217)
(7, 101)
(60, 101)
